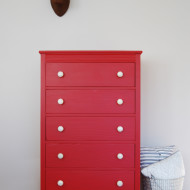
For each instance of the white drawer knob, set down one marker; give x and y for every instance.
(60, 74)
(60, 101)
(120, 129)
(119, 183)
(120, 74)
(119, 101)
(120, 156)
(60, 183)
(60, 156)
(60, 128)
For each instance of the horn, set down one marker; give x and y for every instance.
(60, 7)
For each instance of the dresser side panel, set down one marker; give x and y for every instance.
(137, 155)
(42, 122)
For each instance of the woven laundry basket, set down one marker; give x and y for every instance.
(162, 184)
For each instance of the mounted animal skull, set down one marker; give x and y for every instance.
(60, 6)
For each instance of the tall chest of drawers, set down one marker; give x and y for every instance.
(90, 120)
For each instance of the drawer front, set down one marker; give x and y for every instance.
(89, 180)
(90, 101)
(90, 74)
(90, 128)
(91, 155)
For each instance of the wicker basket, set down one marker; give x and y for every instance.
(162, 184)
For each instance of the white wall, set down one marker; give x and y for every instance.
(160, 28)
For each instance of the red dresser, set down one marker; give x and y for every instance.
(90, 120)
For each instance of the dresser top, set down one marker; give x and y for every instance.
(90, 52)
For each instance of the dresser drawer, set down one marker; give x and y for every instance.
(90, 74)
(90, 128)
(90, 155)
(90, 101)
(89, 180)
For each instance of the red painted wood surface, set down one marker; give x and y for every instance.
(97, 53)
(42, 120)
(90, 74)
(137, 153)
(89, 180)
(90, 115)
(85, 155)
(90, 128)
(90, 101)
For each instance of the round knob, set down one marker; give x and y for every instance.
(120, 74)
(60, 183)
(120, 101)
(60, 74)
(60, 156)
(60, 128)
(120, 156)
(120, 183)
(60, 101)
(120, 129)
